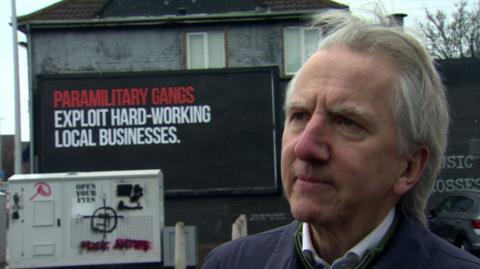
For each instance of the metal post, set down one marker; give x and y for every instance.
(180, 246)
(1, 146)
(235, 230)
(239, 227)
(18, 134)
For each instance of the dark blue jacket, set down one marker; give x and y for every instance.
(411, 246)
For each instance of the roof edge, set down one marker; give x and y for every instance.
(170, 19)
(52, 6)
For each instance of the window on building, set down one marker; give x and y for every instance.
(299, 44)
(205, 50)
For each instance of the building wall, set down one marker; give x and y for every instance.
(151, 49)
(254, 45)
(106, 50)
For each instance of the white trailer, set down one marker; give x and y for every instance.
(85, 218)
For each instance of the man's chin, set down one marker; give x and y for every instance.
(306, 214)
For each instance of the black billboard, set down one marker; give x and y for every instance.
(209, 131)
(461, 163)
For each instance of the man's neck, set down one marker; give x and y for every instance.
(331, 243)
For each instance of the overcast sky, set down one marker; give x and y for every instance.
(414, 8)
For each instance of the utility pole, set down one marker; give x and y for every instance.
(18, 134)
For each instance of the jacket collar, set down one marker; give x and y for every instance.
(405, 236)
(284, 254)
(408, 246)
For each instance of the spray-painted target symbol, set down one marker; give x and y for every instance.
(104, 219)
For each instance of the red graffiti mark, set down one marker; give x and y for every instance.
(122, 244)
(95, 246)
(42, 189)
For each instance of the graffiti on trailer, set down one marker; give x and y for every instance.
(42, 189)
(104, 220)
(120, 244)
(95, 246)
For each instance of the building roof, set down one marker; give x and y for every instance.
(83, 10)
(67, 10)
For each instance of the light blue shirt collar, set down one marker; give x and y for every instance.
(354, 255)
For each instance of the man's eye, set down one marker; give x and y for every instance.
(298, 116)
(350, 128)
(345, 121)
(348, 123)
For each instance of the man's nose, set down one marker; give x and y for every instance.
(313, 142)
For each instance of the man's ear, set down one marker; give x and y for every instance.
(412, 171)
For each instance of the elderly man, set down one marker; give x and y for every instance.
(365, 131)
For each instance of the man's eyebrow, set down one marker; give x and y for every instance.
(356, 113)
(294, 104)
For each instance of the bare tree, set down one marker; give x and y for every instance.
(454, 37)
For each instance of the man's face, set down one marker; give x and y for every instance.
(340, 152)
